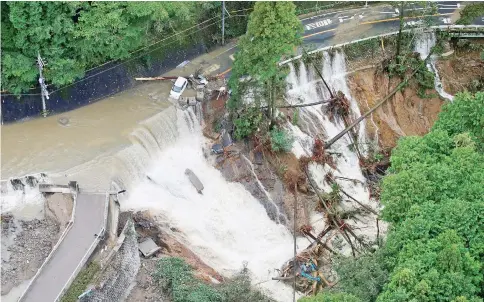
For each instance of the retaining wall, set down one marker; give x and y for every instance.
(97, 84)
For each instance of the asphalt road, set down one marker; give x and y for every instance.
(89, 220)
(324, 29)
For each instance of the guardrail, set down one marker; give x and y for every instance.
(468, 28)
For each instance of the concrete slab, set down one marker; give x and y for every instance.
(148, 247)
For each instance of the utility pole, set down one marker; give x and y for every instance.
(223, 22)
(43, 88)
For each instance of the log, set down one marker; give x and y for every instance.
(358, 120)
(305, 105)
(283, 278)
(156, 79)
(330, 214)
(358, 202)
(324, 245)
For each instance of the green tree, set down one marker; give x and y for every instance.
(434, 250)
(470, 12)
(330, 297)
(30, 27)
(440, 269)
(465, 114)
(74, 36)
(406, 10)
(281, 140)
(363, 277)
(273, 31)
(176, 278)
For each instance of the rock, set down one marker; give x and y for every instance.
(64, 121)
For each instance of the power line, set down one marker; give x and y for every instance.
(138, 50)
(164, 39)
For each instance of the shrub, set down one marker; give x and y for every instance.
(81, 282)
(465, 114)
(176, 277)
(331, 297)
(470, 12)
(295, 117)
(248, 122)
(281, 141)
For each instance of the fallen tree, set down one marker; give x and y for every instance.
(386, 98)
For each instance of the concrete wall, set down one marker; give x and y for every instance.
(113, 214)
(97, 84)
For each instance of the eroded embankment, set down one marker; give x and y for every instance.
(27, 241)
(406, 113)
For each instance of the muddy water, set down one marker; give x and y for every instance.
(81, 138)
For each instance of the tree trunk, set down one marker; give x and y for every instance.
(399, 38)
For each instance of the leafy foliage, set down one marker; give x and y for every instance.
(176, 277)
(434, 200)
(440, 269)
(248, 122)
(465, 114)
(470, 12)
(273, 32)
(408, 62)
(331, 297)
(362, 277)
(74, 36)
(281, 140)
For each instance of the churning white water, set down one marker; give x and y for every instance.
(306, 87)
(423, 45)
(22, 198)
(225, 226)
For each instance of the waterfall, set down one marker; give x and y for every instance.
(423, 45)
(225, 226)
(21, 196)
(308, 88)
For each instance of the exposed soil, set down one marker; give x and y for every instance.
(459, 71)
(146, 225)
(26, 244)
(405, 114)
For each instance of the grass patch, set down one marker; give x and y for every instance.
(470, 13)
(80, 283)
(176, 277)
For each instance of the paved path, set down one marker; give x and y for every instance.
(89, 221)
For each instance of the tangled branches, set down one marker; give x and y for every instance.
(319, 156)
(338, 107)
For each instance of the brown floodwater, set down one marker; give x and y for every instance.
(90, 134)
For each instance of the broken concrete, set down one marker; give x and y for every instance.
(148, 247)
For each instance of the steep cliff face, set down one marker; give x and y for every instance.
(462, 71)
(403, 115)
(406, 113)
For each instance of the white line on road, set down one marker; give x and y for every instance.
(322, 15)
